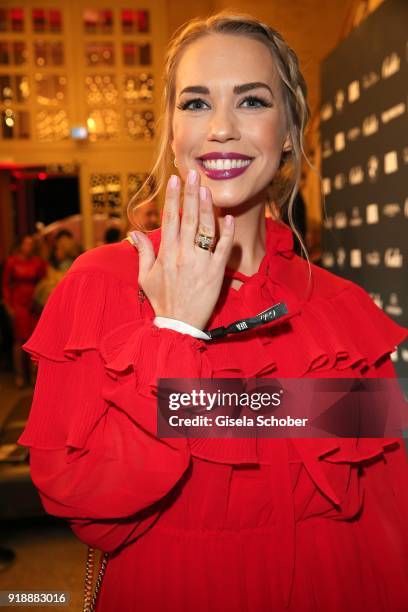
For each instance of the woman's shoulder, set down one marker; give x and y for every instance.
(309, 282)
(339, 322)
(328, 295)
(327, 284)
(118, 260)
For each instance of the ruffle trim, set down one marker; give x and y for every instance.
(78, 312)
(159, 350)
(345, 504)
(345, 331)
(358, 450)
(351, 451)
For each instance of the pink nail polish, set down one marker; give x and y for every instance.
(174, 179)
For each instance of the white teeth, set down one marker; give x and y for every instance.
(225, 164)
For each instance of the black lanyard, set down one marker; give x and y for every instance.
(266, 316)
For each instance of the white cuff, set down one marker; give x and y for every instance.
(180, 326)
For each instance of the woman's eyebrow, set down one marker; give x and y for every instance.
(238, 89)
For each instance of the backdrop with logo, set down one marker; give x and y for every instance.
(364, 136)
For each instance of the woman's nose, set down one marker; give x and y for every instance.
(223, 126)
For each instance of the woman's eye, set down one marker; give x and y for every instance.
(187, 105)
(260, 101)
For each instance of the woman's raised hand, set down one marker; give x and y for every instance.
(184, 281)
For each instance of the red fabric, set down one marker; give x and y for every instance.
(20, 278)
(243, 525)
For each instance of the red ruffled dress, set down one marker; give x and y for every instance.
(243, 525)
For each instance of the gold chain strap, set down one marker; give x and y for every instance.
(89, 599)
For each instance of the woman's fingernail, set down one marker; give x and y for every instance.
(203, 193)
(192, 177)
(174, 180)
(228, 220)
(134, 238)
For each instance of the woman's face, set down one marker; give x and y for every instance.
(26, 246)
(215, 119)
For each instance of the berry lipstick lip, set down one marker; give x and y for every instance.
(222, 174)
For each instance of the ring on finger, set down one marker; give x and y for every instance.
(204, 241)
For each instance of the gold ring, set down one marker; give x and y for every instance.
(204, 242)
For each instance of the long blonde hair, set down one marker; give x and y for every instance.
(285, 184)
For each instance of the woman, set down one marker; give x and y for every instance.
(22, 271)
(237, 524)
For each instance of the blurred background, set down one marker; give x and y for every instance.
(80, 87)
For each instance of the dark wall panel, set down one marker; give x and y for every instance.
(364, 134)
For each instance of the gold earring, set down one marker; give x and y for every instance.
(174, 162)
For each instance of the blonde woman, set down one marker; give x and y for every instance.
(227, 525)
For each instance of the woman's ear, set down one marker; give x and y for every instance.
(287, 149)
(287, 144)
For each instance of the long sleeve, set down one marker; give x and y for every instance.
(121, 469)
(94, 455)
(106, 488)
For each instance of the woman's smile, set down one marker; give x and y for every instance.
(219, 167)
